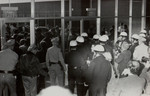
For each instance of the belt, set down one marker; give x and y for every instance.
(6, 72)
(53, 62)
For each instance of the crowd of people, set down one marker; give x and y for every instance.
(94, 66)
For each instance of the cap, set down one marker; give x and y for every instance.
(135, 36)
(96, 36)
(73, 43)
(55, 40)
(99, 48)
(142, 35)
(103, 38)
(143, 31)
(9, 43)
(108, 56)
(32, 47)
(80, 39)
(142, 39)
(123, 34)
(84, 34)
(106, 36)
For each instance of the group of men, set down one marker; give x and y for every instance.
(92, 63)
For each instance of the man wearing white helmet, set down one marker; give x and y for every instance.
(103, 41)
(95, 40)
(141, 50)
(121, 61)
(121, 39)
(134, 43)
(74, 62)
(146, 36)
(99, 73)
(83, 53)
(84, 34)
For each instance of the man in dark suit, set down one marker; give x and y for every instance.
(98, 73)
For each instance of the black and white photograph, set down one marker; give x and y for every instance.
(74, 47)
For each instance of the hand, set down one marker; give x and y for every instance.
(126, 71)
(65, 68)
(147, 64)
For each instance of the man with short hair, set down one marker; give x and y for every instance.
(8, 61)
(55, 63)
(29, 68)
(132, 85)
(134, 43)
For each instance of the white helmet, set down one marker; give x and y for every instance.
(98, 48)
(142, 35)
(135, 36)
(84, 34)
(123, 34)
(80, 39)
(143, 31)
(73, 43)
(106, 36)
(108, 56)
(96, 36)
(103, 38)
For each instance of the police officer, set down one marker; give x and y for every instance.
(55, 63)
(134, 43)
(8, 61)
(118, 44)
(103, 41)
(141, 50)
(82, 57)
(74, 68)
(99, 73)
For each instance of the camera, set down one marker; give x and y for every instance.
(144, 59)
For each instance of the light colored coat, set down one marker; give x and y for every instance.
(130, 86)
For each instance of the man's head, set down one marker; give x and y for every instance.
(9, 44)
(32, 48)
(103, 39)
(73, 45)
(96, 39)
(123, 35)
(135, 38)
(98, 49)
(55, 41)
(125, 45)
(134, 67)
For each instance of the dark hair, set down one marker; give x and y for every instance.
(134, 69)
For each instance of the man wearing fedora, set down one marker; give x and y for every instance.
(8, 61)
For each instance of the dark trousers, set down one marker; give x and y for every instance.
(97, 90)
(8, 81)
(76, 80)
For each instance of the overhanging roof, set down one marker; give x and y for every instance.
(24, 1)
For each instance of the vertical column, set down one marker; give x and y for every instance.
(63, 25)
(81, 26)
(70, 14)
(143, 22)
(116, 20)
(98, 20)
(32, 23)
(130, 18)
(2, 32)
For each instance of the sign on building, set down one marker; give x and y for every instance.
(9, 12)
